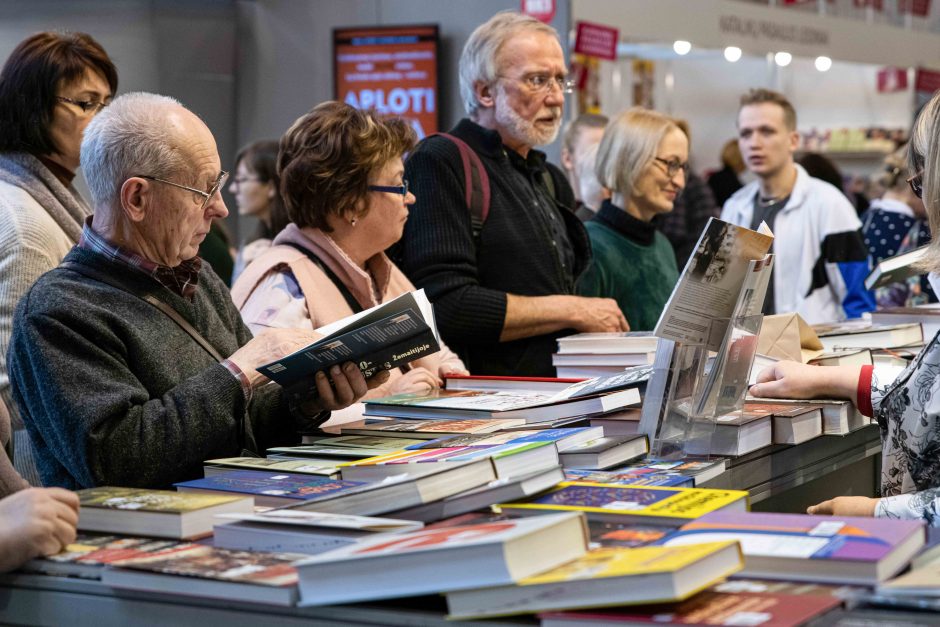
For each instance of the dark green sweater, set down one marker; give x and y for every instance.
(113, 392)
(633, 263)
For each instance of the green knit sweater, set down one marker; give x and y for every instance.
(633, 263)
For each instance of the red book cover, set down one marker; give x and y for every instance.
(711, 608)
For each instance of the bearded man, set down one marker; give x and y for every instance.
(506, 292)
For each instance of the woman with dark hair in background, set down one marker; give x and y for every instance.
(725, 182)
(51, 86)
(256, 190)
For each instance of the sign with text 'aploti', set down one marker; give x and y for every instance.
(390, 69)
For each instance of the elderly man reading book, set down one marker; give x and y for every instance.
(129, 362)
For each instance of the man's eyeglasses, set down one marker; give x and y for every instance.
(391, 189)
(85, 105)
(542, 83)
(917, 184)
(241, 180)
(673, 166)
(207, 196)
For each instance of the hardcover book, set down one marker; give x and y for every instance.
(606, 576)
(801, 547)
(654, 505)
(159, 513)
(442, 559)
(214, 573)
(381, 338)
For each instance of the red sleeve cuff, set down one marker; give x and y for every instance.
(863, 392)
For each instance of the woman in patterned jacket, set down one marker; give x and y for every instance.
(907, 408)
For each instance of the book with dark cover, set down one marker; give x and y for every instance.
(381, 338)
(215, 573)
(271, 489)
(87, 556)
(707, 608)
(896, 269)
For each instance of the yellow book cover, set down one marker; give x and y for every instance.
(627, 562)
(607, 499)
(163, 501)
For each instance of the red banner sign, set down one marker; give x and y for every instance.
(594, 40)
(891, 79)
(390, 69)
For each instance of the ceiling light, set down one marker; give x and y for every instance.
(823, 64)
(732, 53)
(783, 58)
(682, 47)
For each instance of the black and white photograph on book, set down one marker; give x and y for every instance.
(426, 312)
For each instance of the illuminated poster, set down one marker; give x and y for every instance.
(392, 69)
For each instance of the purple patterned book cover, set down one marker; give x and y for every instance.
(802, 535)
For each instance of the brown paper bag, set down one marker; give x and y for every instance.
(787, 336)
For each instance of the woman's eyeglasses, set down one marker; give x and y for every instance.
(917, 184)
(85, 105)
(391, 189)
(674, 166)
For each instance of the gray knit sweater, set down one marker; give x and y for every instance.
(113, 392)
(40, 220)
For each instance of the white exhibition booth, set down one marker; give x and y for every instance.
(703, 87)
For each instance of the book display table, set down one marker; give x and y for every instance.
(43, 600)
(786, 478)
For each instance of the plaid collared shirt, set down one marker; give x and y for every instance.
(182, 280)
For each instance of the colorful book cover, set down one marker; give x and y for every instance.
(164, 501)
(625, 535)
(255, 567)
(624, 478)
(95, 549)
(712, 608)
(367, 441)
(655, 502)
(300, 487)
(801, 536)
(480, 440)
(434, 538)
(623, 562)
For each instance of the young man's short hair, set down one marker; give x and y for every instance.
(761, 95)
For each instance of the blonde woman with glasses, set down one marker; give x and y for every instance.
(643, 159)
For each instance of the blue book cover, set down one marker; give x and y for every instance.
(285, 485)
(650, 479)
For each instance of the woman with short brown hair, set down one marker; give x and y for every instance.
(341, 181)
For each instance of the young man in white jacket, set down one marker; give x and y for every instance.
(821, 259)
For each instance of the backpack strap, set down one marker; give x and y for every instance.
(347, 295)
(476, 185)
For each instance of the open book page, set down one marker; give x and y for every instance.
(711, 282)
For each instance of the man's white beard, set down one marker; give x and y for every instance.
(523, 130)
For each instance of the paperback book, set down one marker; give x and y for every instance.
(157, 513)
(87, 556)
(442, 559)
(603, 577)
(294, 531)
(801, 547)
(654, 505)
(215, 573)
(381, 338)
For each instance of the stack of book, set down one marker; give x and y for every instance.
(857, 334)
(598, 354)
